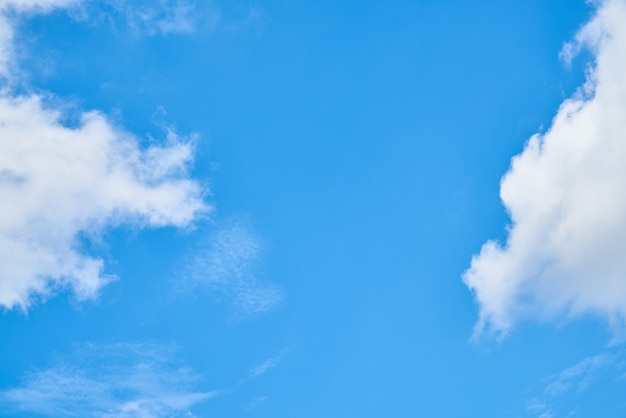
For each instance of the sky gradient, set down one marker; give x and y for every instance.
(312, 209)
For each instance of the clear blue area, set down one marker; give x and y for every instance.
(364, 142)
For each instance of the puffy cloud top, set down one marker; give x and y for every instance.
(566, 195)
(60, 182)
(57, 182)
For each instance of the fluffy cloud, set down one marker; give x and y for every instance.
(58, 182)
(119, 380)
(566, 196)
(61, 181)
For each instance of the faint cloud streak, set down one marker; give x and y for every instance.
(151, 17)
(227, 265)
(266, 366)
(119, 380)
(561, 394)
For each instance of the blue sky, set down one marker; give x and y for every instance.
(312, 209)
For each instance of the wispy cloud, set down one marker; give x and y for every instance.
(63, 181)
(10, 10)
(565, 194)
(579, 376)
(267, 365)
(151, 17)
(260, 370)
(227, 264)
(256, 402)
(561, 394)
(120, 380)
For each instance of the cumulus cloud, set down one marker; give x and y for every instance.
(61, 181)
(566, 197)
(118, 380)
(227, 264)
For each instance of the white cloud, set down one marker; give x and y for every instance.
(227, 264)
(60, 182)
(566, 195)
(119, 380)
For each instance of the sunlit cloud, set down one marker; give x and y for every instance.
(565, 194)
(64, 179)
